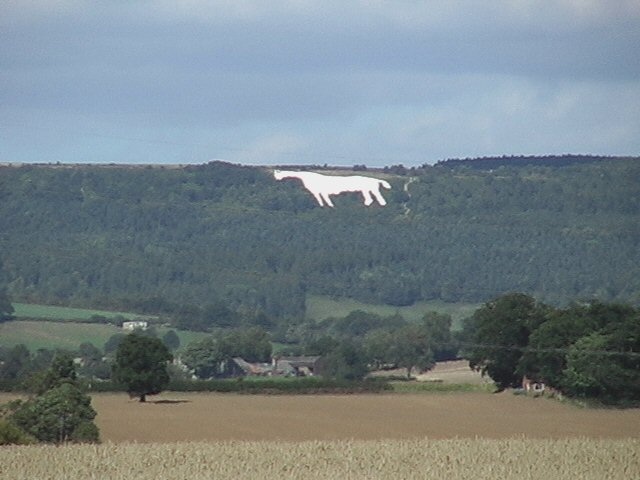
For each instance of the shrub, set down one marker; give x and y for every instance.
(12, 435)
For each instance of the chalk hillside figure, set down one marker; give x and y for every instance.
(323, 186)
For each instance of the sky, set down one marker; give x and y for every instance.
(317, 82)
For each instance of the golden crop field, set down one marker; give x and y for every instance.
(453, 436)
(454, 459)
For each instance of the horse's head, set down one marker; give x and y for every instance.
(280, 174)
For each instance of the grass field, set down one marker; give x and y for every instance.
(41, 334)
(30, 310)
(320, 307)
(66, 335)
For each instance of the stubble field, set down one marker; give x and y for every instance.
(172, 417)
(453, 436)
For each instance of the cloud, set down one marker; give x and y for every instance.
(378, 80)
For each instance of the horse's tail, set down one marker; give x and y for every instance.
(385, 184)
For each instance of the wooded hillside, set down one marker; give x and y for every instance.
(153, 237)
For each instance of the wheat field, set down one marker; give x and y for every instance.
(454, 459)
(449, 436)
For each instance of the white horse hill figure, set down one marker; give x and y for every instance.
(323, 186)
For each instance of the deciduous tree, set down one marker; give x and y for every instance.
(141, 365)
(500, 333)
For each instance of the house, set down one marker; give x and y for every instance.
(304, 366)
(134, 325)
(238, 365)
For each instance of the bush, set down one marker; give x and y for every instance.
(54, 416)
(12, 435)
(85, 432)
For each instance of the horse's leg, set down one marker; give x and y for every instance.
(318, 197)
(327, 198)
(367, 197)
(379, 197)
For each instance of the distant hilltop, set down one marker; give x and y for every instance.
(480, 163)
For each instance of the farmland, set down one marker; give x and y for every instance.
(200, 417)
(455, 436)
(455, 459)
(41, 334)
(220, 417)
(36, 334)
(52, 312)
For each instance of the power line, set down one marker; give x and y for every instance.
(527, 349)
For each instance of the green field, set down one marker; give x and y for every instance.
(41, 334)
(67, 335)
(65, 330)
(30, 310)
(320, 307)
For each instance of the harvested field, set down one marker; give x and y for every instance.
(175, 417)
(454, 436)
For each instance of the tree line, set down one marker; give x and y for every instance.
(586, 350)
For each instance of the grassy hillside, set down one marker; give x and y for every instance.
(40, 334)
(66, 335)
(50, 312)
(155, 239)
(320, 307)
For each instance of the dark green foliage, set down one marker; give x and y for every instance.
(92, 363)
(171, 340)
(62, 371)
(208, 356)
(606, 364)
(589, 351)
(500, 333)
(411, 348)
(60, 411)
(16, 363)
(6, 309)
(438, 327)
(54, 416)
(12, 435)
(20, 369)
(252, 344)
(298, 385)
(154, 239)
(347, 361)
(113, 343)
(203, 357)
(85, 432)
(141, 365)
(548, 344)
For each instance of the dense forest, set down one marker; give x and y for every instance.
(158, 238)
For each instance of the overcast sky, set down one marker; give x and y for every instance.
(337, 82)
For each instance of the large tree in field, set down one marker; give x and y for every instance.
(141, 365)
(499, 334)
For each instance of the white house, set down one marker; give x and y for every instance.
(134, 325)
